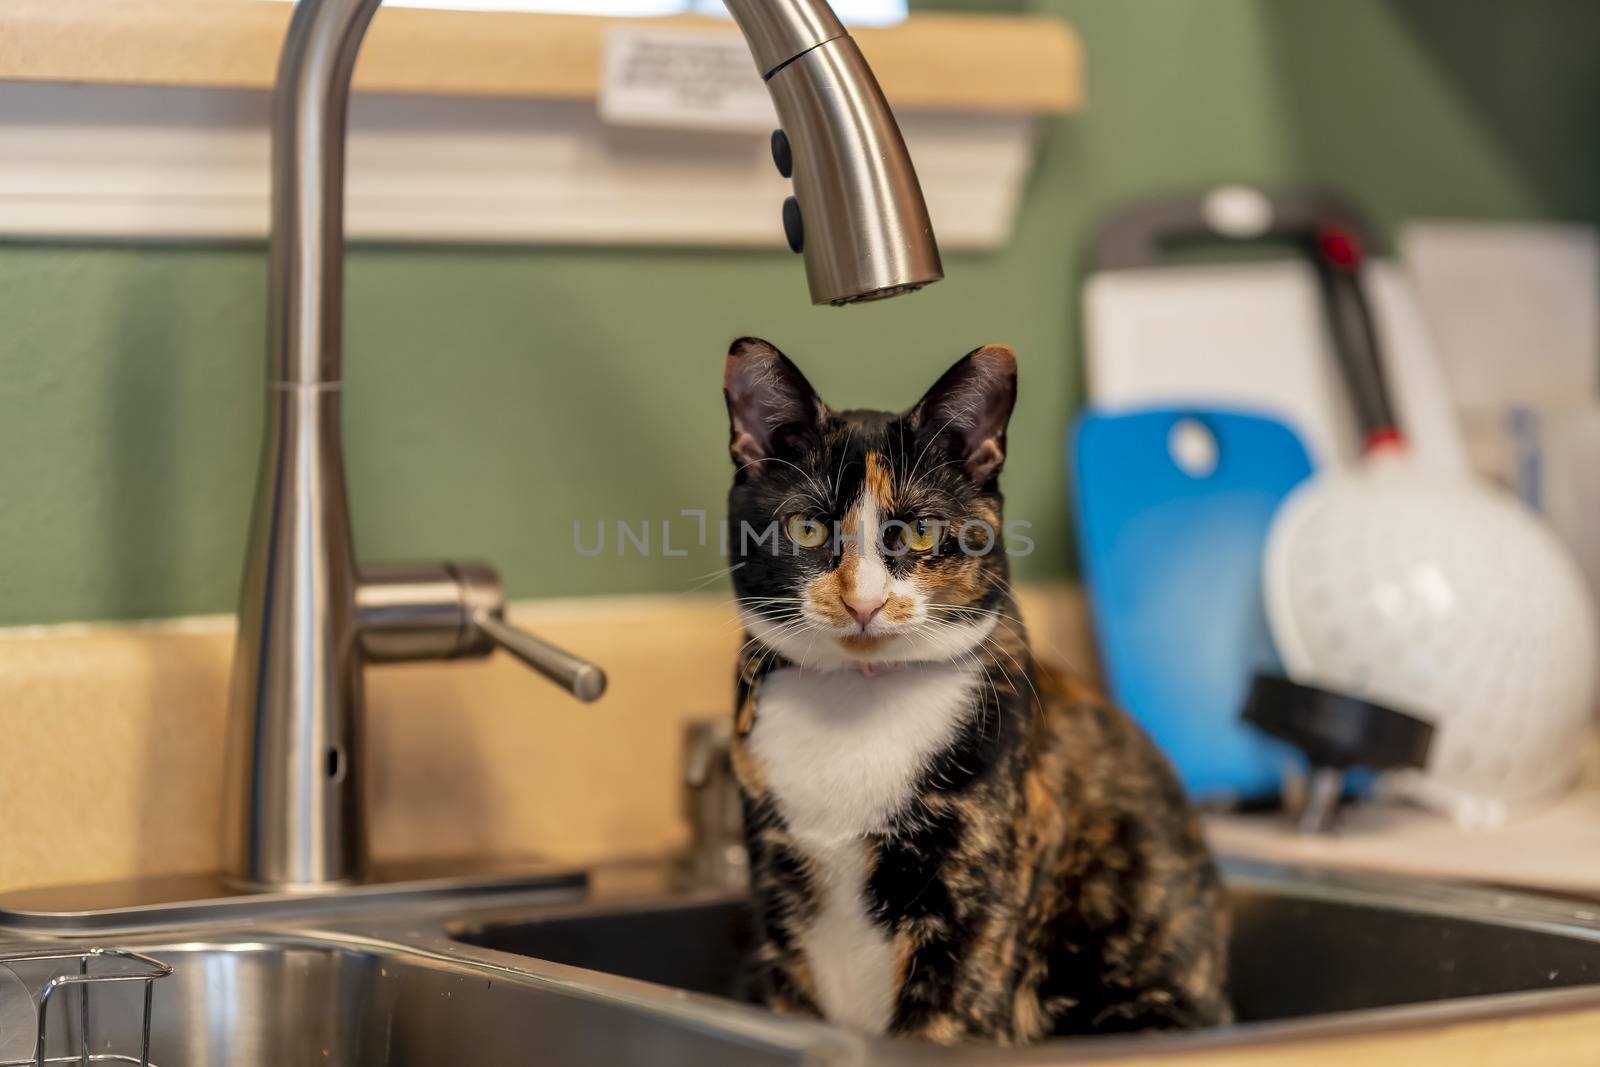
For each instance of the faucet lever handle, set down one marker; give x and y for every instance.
(443, 610)
(582, 679)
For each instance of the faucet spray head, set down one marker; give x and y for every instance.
(857, 213)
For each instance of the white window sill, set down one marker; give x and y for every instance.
(453, 141)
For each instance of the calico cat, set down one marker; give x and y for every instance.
(948, 841)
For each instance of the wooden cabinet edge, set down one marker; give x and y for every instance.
(951, 62)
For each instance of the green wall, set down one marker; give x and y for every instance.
(497, 395)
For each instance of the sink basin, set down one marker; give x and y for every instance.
(286, 1002)
(1305, 945)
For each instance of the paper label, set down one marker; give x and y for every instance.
(682, 79)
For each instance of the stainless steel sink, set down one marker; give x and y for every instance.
(1306, 945)
(279, 1000)
(277, 1003)
(629, 972)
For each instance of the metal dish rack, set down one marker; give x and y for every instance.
(141, 968)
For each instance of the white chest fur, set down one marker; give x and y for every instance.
(841, 754)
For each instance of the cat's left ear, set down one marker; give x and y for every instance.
(964, 416)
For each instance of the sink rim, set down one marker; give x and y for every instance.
(182, 901)
(426, 933)
(1566, 916)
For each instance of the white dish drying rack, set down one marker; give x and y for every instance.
(57, 973)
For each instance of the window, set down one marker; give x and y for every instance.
(854, 12)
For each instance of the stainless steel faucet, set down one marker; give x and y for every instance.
(713, 808)
(309, 618)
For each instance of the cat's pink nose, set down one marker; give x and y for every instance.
(862, 609)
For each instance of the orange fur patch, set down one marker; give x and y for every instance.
(899, 609)
(878, 484)
(745, 720)
(826, 592)
(746, 771)
(862, 643)
(959, 585)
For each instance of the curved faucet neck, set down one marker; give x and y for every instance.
(310, 110)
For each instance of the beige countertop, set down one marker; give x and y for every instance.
(114, 738)
(114, 734)
(1552, 849)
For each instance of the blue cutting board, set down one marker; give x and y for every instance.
(1171, 551)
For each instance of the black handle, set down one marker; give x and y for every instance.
(1336, 729)
(1337, 255)
(1330, 231)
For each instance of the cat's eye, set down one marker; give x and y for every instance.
(807, 532)
(921, 535)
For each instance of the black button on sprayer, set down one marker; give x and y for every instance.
(782, 157)
(794, 227)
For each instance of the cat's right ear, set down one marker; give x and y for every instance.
(772, 409)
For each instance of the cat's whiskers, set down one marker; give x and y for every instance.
(1003, 621)
(818, 488)
(766, 601)
(763, 657)
(844, 452)
(780, 619)
(815, 633)
(1035, 639)
(697, 584)
(816, 502)
(912, 477)
(770, 642)
(991, 647)
(987, 647)
(791, 611)
(782, 627)
(1008, 623)
(754, 601)
(976, 611)
(915, 482)
(971, 657)
(1011, 624)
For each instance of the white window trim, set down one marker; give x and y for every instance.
(129, 163)
(850, 12)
